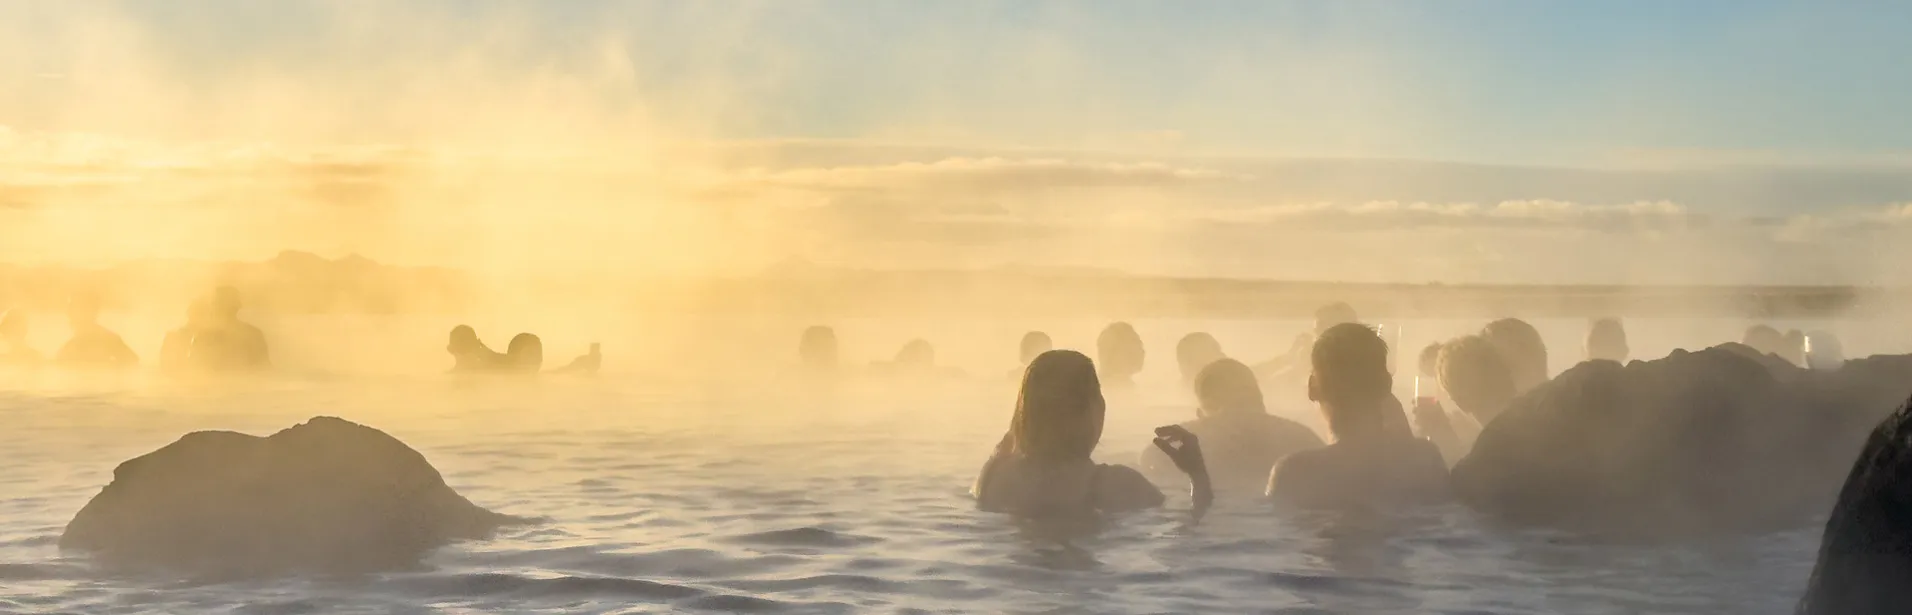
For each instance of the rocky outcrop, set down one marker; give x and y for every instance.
(327, 495)
(1724, 439)
(1865, 557)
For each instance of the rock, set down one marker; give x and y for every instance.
(1721, 440)
(1865, 556)
(327, 495)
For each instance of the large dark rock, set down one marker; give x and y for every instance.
(327, 495)
(1865, 558)
(1721, 440)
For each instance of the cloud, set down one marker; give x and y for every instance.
(1523, 214)
(984, 176)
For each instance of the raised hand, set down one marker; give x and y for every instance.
(1185, 450)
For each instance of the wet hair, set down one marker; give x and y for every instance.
(1607, 339)
(1059, 410)
(818, 347)
(1227, 386)
(1429, 365)
(916, 353)
(1521, 348)
(13, 324)
(1034, 343)
(1119, 350)
(1337, 313)
(1764, 338)
(1476, 376)
(526, 352)
(1195, 352)
(1350, 363)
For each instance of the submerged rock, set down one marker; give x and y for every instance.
(1724, 439)
(1865, 557)
(327, 495)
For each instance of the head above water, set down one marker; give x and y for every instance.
(1195, 352)
(1607, 340)
(1476, 377)
(1523, 350)
(1793, 347)
(818, 347)
(526, 352)
(1034, 343)
(1350, 378)
(1229, 387)
(1059, 411)
(917, 354)
(1337, 313)
(1825, 351)
(1119, 350)
(1429, 364)
(464, 339)
(1765, 339)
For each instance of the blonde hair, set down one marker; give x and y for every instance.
(1059, 411)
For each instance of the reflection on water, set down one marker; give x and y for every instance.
(677, 496)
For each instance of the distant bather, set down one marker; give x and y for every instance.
(1120, 354)
(1034, 343)
(587, 364)
(471, 354)
(1520, 344)
(1607, 341)
(818, 348)
(1240, 439)
(524, 354)
(1196, 351)
(93, 345)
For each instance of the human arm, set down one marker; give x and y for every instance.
(1185, 450)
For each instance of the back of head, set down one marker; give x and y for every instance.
(1523, 350)
(1337, 313)
(1429, 365)
(1764, 339)
(1793, 347)
(1119, 349)
(1350, 376)
(1034, 343)
(917, 353)
(818, 347)
(1607, 340)
(1476, 377)
(1823, 350)
(1059, 411)
(463, 339)
(1195, 352)
(526, 352)
(1229, 387)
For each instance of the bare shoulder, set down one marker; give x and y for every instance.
(1294, 476)
(1120, 487)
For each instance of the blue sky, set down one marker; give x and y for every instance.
(1250, 138)
(1506, 81)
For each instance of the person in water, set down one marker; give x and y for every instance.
(1042, 466)
(240, 345)
(470, 354)
(1765, 339)
(1292, 366)
(92, 345)
(13, 333)
(587, 364)
(1370, 463)
(1478, 382)
(1119, 352)
(1034, 343)
(1793, 347)
(176, 350)
(1240, 440)
(1520, 344)
(1607, 341)
(1195, 352)
(525, 354)
(818, 348)
(1823, 351)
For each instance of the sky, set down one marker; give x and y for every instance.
(1507, 141)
